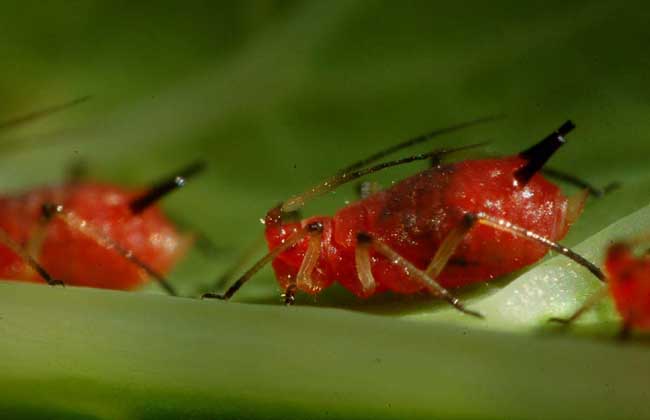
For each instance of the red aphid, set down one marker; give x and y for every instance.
(448, 226)
(76, 258)
(628, 276)
(88, 234)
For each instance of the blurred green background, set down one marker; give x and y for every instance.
(277, 95)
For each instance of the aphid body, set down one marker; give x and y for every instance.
(74, 256)
(414, 217)
(628, 276)
(445, 227)
(89, 234)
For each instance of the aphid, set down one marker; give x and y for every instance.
(88, 233)
(628, 282)
(445, 227)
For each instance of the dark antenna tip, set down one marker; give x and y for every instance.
(166, 186)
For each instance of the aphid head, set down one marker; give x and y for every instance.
(537, 155)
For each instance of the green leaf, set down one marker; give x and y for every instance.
(276, 99)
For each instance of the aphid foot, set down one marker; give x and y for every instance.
(472, 313)
(290, 295)
(563, 321)
(213, 296)
(54, 282)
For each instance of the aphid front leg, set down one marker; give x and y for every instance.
(303, 279)
(433, 286)
(7, 241)
(270, 256)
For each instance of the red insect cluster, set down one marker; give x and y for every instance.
(445, 227)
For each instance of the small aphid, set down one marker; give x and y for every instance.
(628, 282)
(87, 233)
(445, 227)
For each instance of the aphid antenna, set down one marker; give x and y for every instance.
(423, 138)
(73, 221)
(165, 186)
(298, 201)
(418, 140)
(537, 155)
(23, 119)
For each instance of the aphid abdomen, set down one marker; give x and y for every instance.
(488, 186)
(72, 255)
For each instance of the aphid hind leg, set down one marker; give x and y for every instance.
(416, 273)
(506, 226)
(73, 221)
(7, 241)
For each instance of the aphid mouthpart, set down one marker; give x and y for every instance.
(165, 186)
(537, 155)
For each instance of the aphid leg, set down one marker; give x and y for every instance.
(449, 245)
(581, 183)
(73, 221)
(310, 260)
(590, 303)
(362, 262)
(290, 242)
(164, 187)
(624, 332)
(416, 273)
(6, 240)
(504, 225)
(243, 260)
(289, 294)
